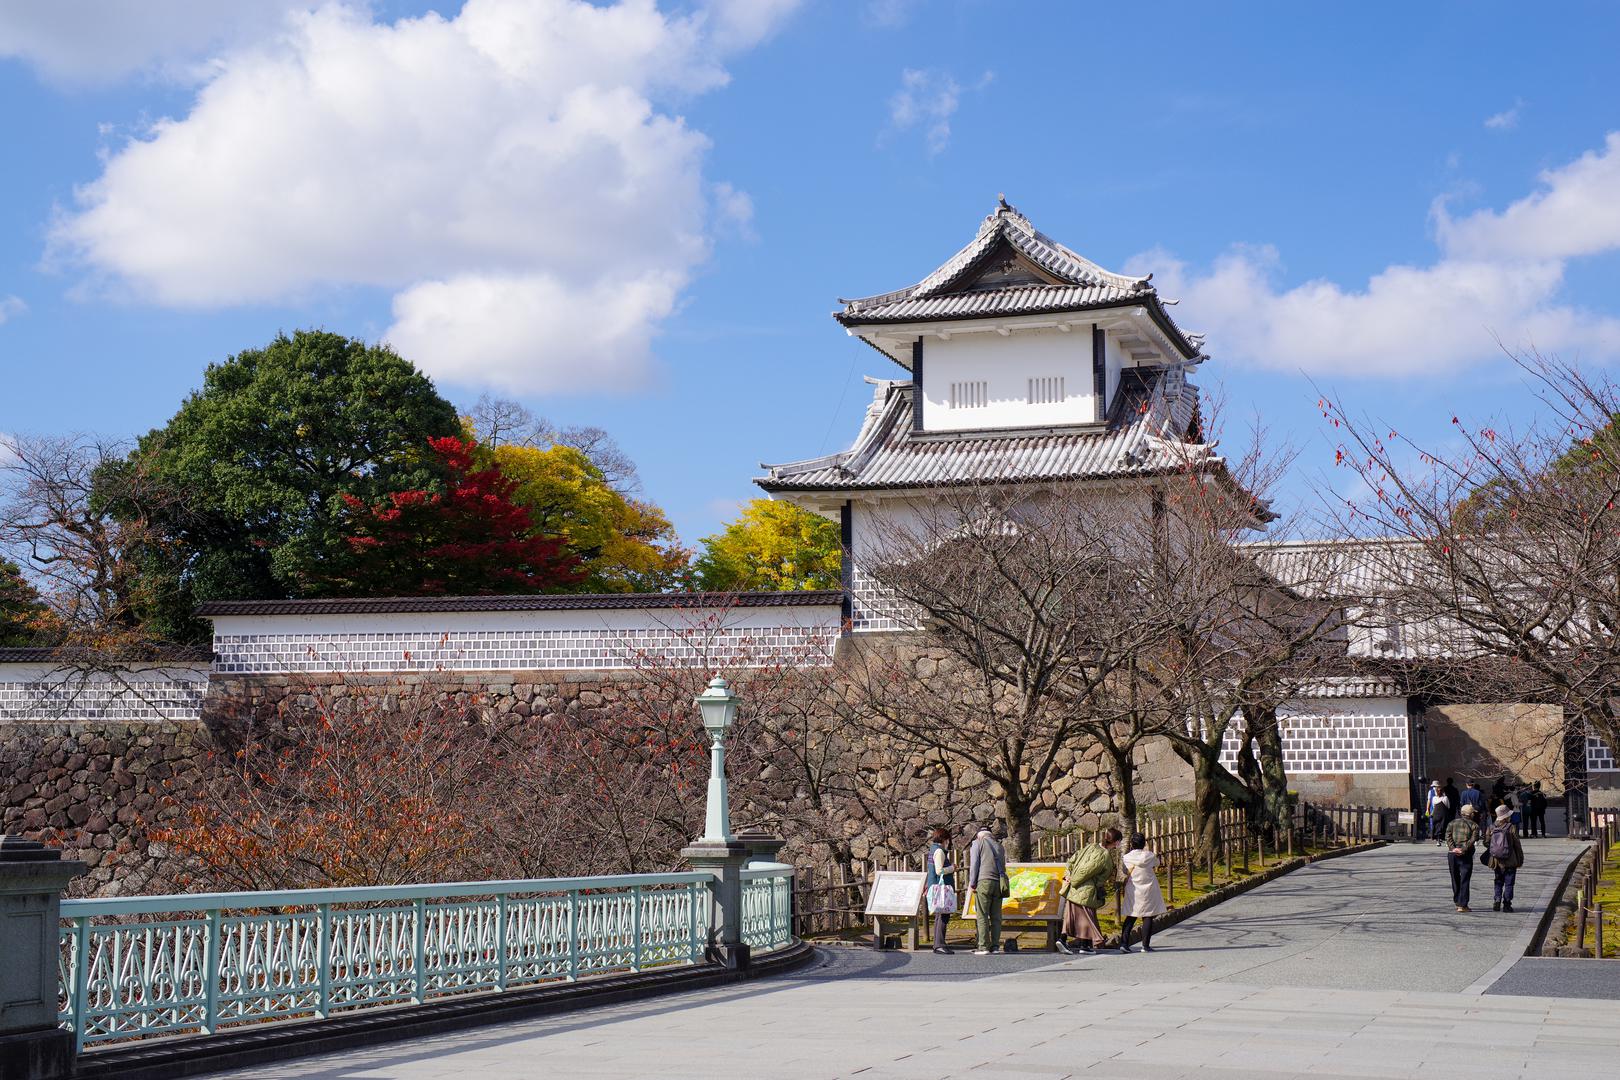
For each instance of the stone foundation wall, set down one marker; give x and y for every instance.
(97, 787)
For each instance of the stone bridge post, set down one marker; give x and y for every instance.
(32, 1044)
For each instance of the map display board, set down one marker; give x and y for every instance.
(1037, 893)
(896, 892)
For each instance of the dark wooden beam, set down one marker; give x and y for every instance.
(917, 385)
(846, 567)
(1099, 370)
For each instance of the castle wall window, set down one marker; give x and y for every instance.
(973, 394)
(1046, 390)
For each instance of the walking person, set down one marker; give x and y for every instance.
(1538, 811)
(1505, 855)
(1453, 800)
(1439, 811)
(1521, 803)
(1085, 889)
(941, 882)
(1462, 836)
(987, 877)
(1472, 796)
(1143, 899)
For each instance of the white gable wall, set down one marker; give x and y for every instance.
(992, 374)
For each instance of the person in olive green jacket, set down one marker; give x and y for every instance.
(1461, 837)
(1085, 889)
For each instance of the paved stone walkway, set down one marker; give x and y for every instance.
(1356, 967)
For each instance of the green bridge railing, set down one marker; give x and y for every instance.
(148, 966)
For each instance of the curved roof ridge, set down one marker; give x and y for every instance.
(1006, 222)
(875, 426)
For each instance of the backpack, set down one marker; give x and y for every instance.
(1501, 845)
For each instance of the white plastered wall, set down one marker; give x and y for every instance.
(1005, 365)
(62, 693)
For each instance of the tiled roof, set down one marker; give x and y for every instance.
(1365, 568)
(1142, 437)
(951, 291)
(1354, 687)
(383, 605)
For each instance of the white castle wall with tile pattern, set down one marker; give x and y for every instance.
(35, 693)
(597, 639)
(1337, 735)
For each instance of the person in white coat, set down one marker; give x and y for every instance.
(1143, 899)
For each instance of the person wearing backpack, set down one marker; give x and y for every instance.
(1462, 835)
(1504, 855)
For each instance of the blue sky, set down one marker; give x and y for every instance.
(642, 218)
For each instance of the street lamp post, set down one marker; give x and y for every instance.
(718, 851)
(718, 706)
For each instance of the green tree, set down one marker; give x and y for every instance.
(24, 618)
(772, 545)
(627, 545)
(265, 454)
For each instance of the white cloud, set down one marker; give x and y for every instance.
(1507, 119)
(734, 211)
(534, 332)
(507, 172)
(742, 24)
(927, 100)
(93, 41)
(1499, 276)
(890, 13)
(1575, 211)
(10, 308)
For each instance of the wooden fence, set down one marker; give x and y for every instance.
(1604, 826)
(830, 899)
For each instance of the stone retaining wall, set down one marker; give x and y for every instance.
(96, 787)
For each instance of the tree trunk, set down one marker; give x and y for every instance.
(1248, 774)
(1015, 812)
(1274, 782)
(1125, 791)
(1206, 807)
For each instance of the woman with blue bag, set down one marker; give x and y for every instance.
(941, 885)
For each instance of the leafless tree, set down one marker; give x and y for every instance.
(1500, 553)
(56, 522)
(797, 766)
(499, 421)
(1026, 634)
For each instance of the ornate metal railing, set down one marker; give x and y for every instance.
(158, 965)
(767, 906)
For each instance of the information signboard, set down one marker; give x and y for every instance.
(1037, 893)
(896, 892)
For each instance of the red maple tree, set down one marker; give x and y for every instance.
(469, 539)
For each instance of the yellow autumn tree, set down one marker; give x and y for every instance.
(627, 545)
(771, 545)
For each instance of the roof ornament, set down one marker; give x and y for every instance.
(1002, 203)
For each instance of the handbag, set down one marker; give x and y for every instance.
(1006, 886)
(941, 899)
(1485, 857)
